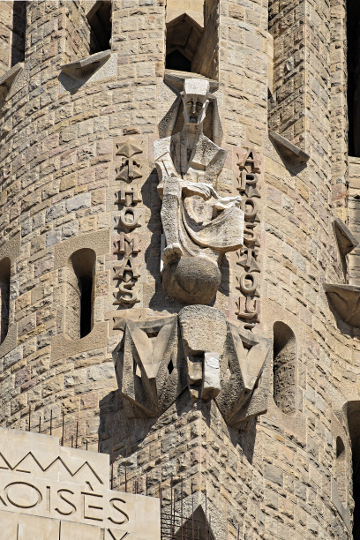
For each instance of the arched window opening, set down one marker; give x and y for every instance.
(83, 265)
(353, 64)
(284, 368)
(193, 45)
(182, 42)
(18, 33)
(5, 266)
(354, 430)
(99, 18)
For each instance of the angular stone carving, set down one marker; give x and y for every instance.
(346, 241)
(8, 80)
(203, 331)
(199, 225)
(156, 360)
(245, 376)
(291, 153)
(149, 366)
(81, 69)
(345, 300)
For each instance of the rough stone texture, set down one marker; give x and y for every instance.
(279, 477)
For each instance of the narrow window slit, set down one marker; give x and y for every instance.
(79, 303)
(99, 18)
(19, 32)
(5, 265)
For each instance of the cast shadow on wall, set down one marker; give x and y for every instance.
(125, 436)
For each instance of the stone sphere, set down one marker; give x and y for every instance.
(192, 280)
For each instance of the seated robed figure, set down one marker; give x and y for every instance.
(197, 222)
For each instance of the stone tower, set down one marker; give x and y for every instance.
(179, 276)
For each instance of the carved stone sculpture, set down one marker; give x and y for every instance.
(245, 376)
(199, 225)
(150, 367)
(198, 349)
(203, 331)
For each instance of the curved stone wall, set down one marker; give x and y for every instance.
(76, 155)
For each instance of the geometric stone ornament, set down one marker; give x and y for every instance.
(90, 69)
(149, 366)
(203, 332)
(85, 67)
(345, 300)
(198, 349)
(245, 376)
(289, 151)
(7, 80)
(345, 240)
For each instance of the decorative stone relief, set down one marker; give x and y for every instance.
(199, 225)
(344, 299)
(129, 168)
(126, 245)
(245, 376)
(248, 257)
(49, 492)
(203, 331)
(150, 366)
(93, 68)
(199, 350)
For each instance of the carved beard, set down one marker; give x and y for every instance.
(194, 129)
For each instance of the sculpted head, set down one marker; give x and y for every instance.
(196, 97)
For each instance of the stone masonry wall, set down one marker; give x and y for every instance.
(59, 156)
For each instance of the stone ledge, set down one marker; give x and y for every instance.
(345, 300)
(289, 151)
(63, 347)
(81, 69)
(90, 69)
(345, 240)
(7, 80)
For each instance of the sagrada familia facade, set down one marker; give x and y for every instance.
(180, 270)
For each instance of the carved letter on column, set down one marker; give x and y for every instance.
(248, 304)
(127, 246)
(129, 168)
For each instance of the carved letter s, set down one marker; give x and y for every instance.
(73, 510)
(126, 517)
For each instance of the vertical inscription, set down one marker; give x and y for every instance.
(248, 304)
(126, 245)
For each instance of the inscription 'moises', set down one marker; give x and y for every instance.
(70, 502)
